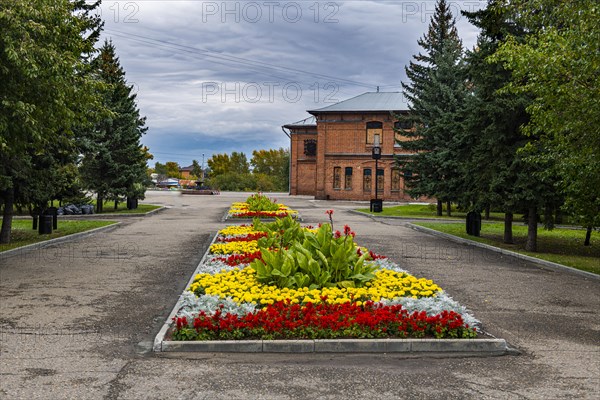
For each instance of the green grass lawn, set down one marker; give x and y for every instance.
(22, 234)
(426, 211)
(561, 245)
(109, 208)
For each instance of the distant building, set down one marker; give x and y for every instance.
(331, 152)
(185, 172)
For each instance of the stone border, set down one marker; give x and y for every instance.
(50, 242)
(552, 265)
(410, 346)
(481, 347)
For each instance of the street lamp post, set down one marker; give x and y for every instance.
(376, 204)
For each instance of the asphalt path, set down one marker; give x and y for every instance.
(77, 319)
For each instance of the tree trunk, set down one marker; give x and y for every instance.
(448, 208)
(588, 236)
(558, 217)
(116, 204)
(487, 212)
(99, 203)
(532, 230)
(7, 216)
(439, 208)
(508, 234)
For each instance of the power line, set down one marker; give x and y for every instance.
(232, 59)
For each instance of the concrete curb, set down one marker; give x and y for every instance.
(482, 347)
(102, 216)
(40, 245)
(552, 265)
(487, 347)
(159, 339)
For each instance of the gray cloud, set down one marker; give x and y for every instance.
(214, 78)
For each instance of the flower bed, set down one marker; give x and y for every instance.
(260, 206)
(284, 281)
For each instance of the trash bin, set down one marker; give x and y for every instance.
(473, 223)
(45, 225)
(376, 205)
(53, 211)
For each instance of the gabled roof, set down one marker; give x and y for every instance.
(369, 101)
(310, 122)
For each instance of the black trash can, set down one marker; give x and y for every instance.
(45, 225)
(473, 223)
(53, 211)
(376, 205)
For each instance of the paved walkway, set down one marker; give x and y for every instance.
(77, 320)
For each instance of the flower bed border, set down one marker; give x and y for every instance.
(480, 347)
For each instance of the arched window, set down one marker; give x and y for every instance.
(337, 177)
(367, 179)
(374, 130)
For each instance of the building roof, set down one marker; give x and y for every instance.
(188, 168)
(310, 122)
(369, 101)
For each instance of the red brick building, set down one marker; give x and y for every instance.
(331, 152)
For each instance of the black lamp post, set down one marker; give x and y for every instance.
(376, 204)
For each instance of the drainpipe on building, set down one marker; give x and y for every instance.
(289, 162)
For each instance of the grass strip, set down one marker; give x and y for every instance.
(109, 208)
(426, 211)
(560, 245)
(22, 233)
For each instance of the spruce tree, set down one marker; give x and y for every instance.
(436, 93)
(493, 123)
(114, 163)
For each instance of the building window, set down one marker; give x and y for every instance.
(348, 178)
(380, 180)
(399, 127)
(403, 125)
(367, 179)
(374, 129)
(310, 147)
(396, 180)
(337, 177)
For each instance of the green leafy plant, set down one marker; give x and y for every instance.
(260, 202)
(319, 260)
(281, 233)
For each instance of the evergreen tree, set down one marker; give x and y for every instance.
(114, 162)
(493, 123)
(436, 93)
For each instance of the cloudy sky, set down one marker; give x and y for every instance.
(222, 76)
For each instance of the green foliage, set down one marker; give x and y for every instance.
(557, 64)
(282, 233)
(114, 160)
(232, 172)
(320, 260)
(436, 93)
(172, 169)
(271, 168)
(260, 202)
(196, 170)
(46, 88)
